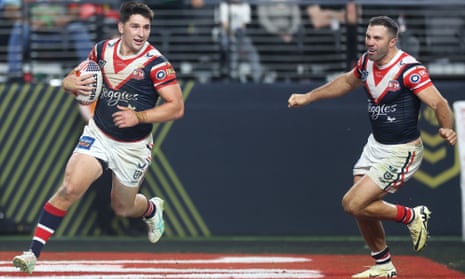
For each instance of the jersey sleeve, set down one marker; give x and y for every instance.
(93, 54)
(417, 78)
(359, 67)
(163, 74)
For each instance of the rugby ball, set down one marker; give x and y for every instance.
(85, 67)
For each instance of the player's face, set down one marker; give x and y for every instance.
(379, 44)
(134, 33)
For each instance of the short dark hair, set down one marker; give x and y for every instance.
(130, 8)
(387, 22)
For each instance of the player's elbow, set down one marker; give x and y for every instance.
(179, 112)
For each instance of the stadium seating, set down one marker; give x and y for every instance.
(189, 38)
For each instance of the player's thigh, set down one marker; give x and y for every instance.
(81, 171)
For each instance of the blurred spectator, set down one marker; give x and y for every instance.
(282, 19)
(192, 16)
(332, 17)
(445, 33)
(407, 41)
(325, 17)
(5, 27)
(234, 15)
(104, 16)
(50, 23)
(165, 4)
(163, 9)
(352, 14)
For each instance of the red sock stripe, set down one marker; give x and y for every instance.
(53, 210)
(43, 233)
(404, 214)
(408, 216)
(400, 213)
(150, 209)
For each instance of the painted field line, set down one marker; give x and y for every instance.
(86, 265)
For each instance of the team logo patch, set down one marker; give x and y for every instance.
(85, 142)
(139, 172)
(102, 63)
(138, 74)
(415, 78)
(161, 74)
(393, 85)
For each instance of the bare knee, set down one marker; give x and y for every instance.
(120, 212)
(68, 193)
(120, 209)
(124, 207)
(351, 207)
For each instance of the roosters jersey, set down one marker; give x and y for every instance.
(129, 81)
(393, 105)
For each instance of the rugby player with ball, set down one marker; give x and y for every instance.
(134, 74)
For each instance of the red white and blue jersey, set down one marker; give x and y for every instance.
(130, 81)
(393, 105)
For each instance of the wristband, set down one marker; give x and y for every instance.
(140, 116)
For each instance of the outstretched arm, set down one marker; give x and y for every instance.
(340, 86)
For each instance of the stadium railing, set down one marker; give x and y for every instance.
(188, 37)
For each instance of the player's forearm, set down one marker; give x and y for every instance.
(340, 86)
(444, 114)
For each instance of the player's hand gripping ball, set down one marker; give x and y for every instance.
(89, 66)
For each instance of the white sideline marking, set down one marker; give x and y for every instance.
(222, 260)
(116, 269)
